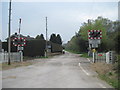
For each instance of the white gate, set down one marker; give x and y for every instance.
(100, 57)
(108, 57)
(14, 57)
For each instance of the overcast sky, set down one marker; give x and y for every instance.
(64, 18)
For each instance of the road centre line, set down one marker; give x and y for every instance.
(83, 70)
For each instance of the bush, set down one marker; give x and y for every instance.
(32, 48)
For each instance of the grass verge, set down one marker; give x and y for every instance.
(112, 81)
(107, 73)
(71, 51)
(25, 58)
(5, 66)
(85, 55)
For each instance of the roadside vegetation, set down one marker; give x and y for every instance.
(25, 58)
(85, 55)
(76, 52)
(109, 42)
(110, 36)
(5, 66)
(107, 72)
(26, 62)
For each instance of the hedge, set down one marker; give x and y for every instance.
(34, 47)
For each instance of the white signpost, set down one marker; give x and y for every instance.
(94, 38)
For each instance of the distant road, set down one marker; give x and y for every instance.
(62, 71)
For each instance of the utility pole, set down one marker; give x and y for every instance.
(119, 11)
(19, 47)
(19, 26)
(46, 40)
(9, 32)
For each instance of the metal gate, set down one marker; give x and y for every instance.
(100, 57)
(14, 57)
(108, 57)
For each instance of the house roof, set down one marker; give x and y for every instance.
(16, 35)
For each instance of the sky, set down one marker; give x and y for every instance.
(64, 18)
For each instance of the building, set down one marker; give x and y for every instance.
(119, 10)
(16, 35)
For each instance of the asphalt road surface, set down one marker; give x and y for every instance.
(62, 71)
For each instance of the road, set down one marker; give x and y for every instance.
(62, 71)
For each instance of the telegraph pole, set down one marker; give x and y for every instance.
(9, 32)
(19, 26)
(46, 40)
(19, 33)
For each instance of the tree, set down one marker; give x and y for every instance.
(53, 38)
(79, 42)
(37, 37)
(58, 39)
(40, 37)
(117, 42)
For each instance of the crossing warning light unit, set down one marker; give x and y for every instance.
(94, 34)
(19, 42)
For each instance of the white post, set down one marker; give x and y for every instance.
(21, 56)
(6, 56)
(93, 57)
(107, 57)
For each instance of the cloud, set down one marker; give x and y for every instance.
(61, 0)
(63, 18)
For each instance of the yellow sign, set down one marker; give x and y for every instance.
(94, 50)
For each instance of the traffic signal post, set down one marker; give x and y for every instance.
(94, 38)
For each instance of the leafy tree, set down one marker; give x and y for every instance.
(37, 37)
(53, 38)
(117, 42)
(40, 37)
(94, 25)
(109, 41)
(58, 39)
(77, 44)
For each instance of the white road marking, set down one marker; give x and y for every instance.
(102, 85)
(84, 70)
(89, 60)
